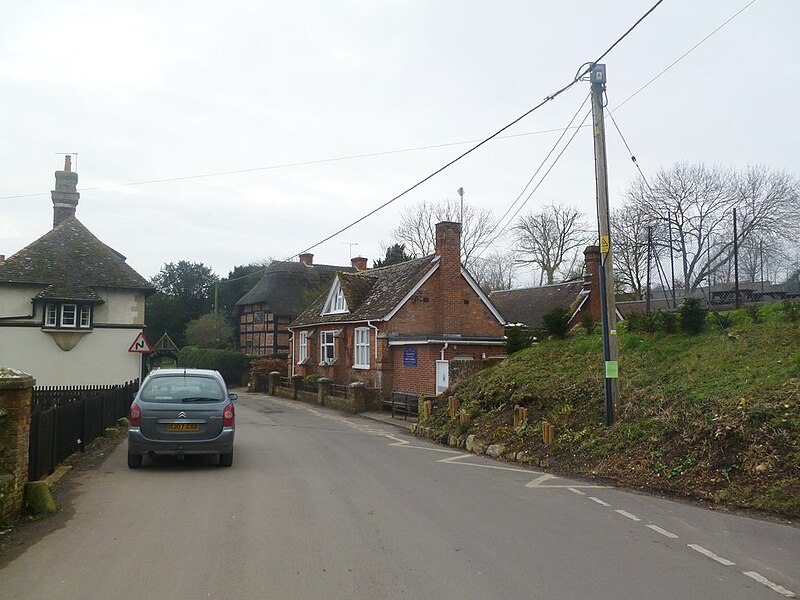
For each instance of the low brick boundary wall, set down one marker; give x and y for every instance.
(15, 424)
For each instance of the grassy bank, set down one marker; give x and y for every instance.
(714, 416)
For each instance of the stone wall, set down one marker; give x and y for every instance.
(15, 424)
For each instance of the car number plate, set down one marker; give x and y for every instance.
(183, 427)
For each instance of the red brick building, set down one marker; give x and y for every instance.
(527, 306)
(397, 328)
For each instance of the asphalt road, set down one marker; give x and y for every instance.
(323, 505)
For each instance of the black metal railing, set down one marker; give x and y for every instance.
(65, 419)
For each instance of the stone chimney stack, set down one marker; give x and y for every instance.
(307, 259)
(448, 249)
(359, 263)
(591, 280)
(65, 196)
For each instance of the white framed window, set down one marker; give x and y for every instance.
(336, 302)
(362, 348)
(326, 347)
(69, 315)
(302, 347)
(86, 316)
(51, 315)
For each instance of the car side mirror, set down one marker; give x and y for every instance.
(233, 396)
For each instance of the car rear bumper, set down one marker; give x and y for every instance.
(139, 444)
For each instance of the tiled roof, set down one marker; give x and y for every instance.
(69, 262)
(372, 294)
(284, 284)
(528, 305)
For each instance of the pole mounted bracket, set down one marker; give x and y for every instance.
(598, 73)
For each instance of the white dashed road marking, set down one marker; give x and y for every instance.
(542, 481)
(663, 532)
(628, 515)
(711, 555)
(773, 586)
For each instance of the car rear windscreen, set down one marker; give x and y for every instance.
(182, 388)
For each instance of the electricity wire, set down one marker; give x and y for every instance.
(581, 73)
(682, 56)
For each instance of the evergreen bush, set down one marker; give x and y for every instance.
(668, 321)
(556, 322)
(233, 366)
(588, 323)
(692, 316)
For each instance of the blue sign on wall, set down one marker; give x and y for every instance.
(410, 357)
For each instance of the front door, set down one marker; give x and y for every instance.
(442, 376)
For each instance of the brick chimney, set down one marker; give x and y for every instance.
(65, 196)
(307, 258)
(591, 280)
(359, 263)
(448, 249)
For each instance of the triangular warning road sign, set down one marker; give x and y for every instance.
(140, 344)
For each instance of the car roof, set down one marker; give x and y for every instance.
(200, 372)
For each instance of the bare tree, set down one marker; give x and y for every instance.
(417, 228)
(694, 206)
(550, 239)
(629, 236)
(495, 271)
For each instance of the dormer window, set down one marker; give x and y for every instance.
(335, 302)
(68, 316)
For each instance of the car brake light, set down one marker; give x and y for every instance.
(228, 416)
(135, 416)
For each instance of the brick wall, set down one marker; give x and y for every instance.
(15, 424)
(591, 282)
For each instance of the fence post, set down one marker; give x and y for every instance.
(359, 395)
(274, 380)
(15, 423)
(323, 388)
(297, 381)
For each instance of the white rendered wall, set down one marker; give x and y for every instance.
(101, 356)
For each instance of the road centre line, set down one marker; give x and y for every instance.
(773, 586)
(600, 502)
(628, 515)
(663, 532)
(711, 555)
(540, 482)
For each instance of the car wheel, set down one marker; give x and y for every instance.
(134, 461)
(226, 460)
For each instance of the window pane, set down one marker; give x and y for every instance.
(68, 315)
(86, 312)
(362, 347)
(303, 353)
(180, 388)
(326, 346)
(51, 313)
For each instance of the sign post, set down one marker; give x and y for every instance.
(141, 347)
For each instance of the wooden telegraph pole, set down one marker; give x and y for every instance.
(610, 345)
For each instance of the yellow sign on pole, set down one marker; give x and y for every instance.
(605, 244)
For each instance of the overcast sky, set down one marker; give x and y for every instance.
(157, 90)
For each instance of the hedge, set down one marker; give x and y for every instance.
(233, 366)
